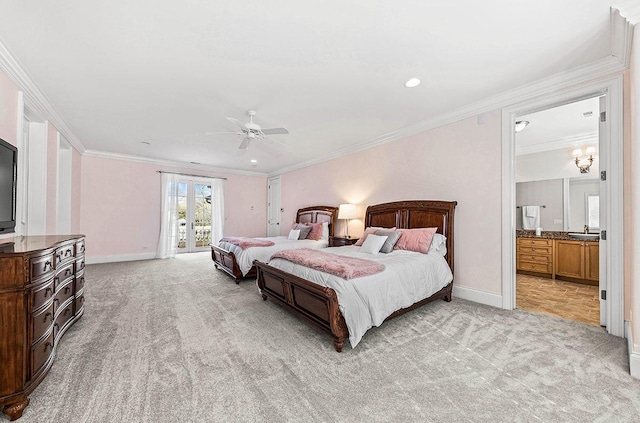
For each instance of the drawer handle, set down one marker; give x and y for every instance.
(46, 316)
(67, 253)
(47, 346)
(67, 289)
(67, 272)
(46, 264)
(56, 280)
(66, 311)
(47, 291)
(56, 301)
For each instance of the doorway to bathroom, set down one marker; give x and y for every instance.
(557, 211)
(610, 161)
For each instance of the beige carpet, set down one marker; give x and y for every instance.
(178, 341)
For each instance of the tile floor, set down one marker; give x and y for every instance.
(573, 301)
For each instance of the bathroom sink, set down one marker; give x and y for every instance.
(580, 235)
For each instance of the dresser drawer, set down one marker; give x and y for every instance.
(63, 272)
(41, 295)
(80, 264)
(79, 282)
(64, 254)
(535, 267)
(40, 352)
(80, 248)
(64, 292)
(41, 266)
(63, 315)
(41, 321)
(78, 304)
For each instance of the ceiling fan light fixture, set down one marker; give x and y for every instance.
(413, 82)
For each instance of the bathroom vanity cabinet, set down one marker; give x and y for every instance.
(575, 260)
(578, 259)
(535, 255)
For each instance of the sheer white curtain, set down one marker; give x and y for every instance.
(217, 210)
(168, 243)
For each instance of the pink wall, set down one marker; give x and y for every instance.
(8, 115)
(52, 177)
(460, 161)
(120, 209)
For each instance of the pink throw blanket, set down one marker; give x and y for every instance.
(345, 267)
(244, 242)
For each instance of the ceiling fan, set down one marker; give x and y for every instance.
(253, 131)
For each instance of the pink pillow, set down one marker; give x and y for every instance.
(370, 230)
(316, 231)
(418, 239)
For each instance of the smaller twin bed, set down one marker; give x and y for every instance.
(239, 262)
(347, 305)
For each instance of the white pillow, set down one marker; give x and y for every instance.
(373, 244)
(438, 245)
(325, 230)
(294, 233)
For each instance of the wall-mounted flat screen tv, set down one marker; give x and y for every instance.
(8, 184)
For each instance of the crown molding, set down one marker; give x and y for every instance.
(558, 144)
(159, 162)
(621, 30)
(34, 98)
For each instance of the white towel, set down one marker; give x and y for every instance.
(530, 217)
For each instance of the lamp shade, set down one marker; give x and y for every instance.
(347, 211)
(590, 151)
(577, 152)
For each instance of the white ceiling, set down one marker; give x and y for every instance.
(166, 72)
(573, 125)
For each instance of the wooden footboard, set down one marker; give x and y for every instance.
(318, 305)
(226, 261)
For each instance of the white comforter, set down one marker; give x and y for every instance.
(365, 302)
(246, 257)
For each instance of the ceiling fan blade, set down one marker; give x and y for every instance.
(241, 125)
(275, 131)
(244, 144)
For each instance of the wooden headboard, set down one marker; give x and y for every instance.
(416, 214)
(318, 214)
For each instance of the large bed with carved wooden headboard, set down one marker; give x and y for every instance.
(238, 262)
(318, 304)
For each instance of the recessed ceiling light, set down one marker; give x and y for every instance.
(254, 161)
(413, 82)
(521, 124)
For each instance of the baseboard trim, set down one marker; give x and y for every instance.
(120, 257)
(634, 357)
(477, 296)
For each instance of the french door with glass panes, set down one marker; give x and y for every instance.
(194, 216)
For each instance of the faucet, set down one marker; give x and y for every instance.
(586, 229)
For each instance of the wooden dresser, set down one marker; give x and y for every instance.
(41, 296)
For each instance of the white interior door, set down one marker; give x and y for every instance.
(604, 196)
(273, 207)
(194, 216)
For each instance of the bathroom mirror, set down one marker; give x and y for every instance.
(570, 203)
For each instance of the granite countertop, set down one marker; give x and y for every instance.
(548, 235)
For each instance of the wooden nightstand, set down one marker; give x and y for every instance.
(336, 241)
